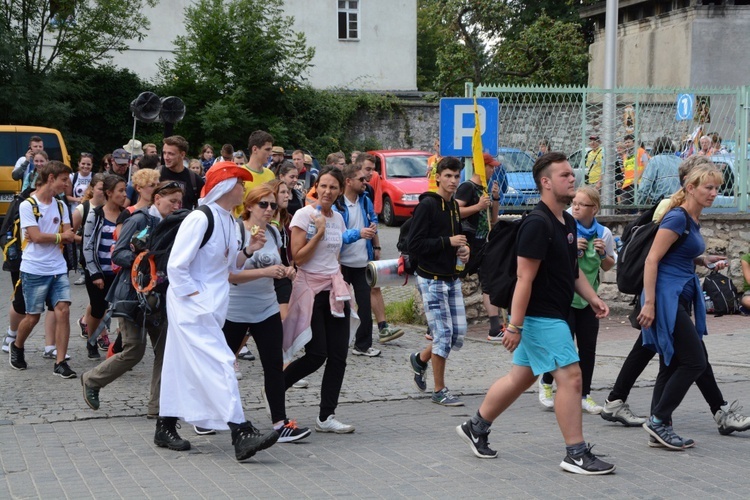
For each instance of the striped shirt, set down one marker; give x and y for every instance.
(104, 250)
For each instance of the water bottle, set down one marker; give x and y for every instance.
(618, 243)
(12, 252)
(311, 228)
(460, 266)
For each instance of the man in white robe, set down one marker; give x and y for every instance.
(198, 382)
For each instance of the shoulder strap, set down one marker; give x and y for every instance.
(194, 185)
(242, 233)
(75, 178)
(210, 217)
(34, 208)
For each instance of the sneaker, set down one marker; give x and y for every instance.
(52, 354)
(289, 432)
(587, 463)
(63, 370)
(80, 281)
(371, 352)
(301, 384)
(664, 434)
(237, 371)
(248, 440)
(203, 431)
(419, 380)
(388, 333)
(445, 398)
(103, 342)
(732, 420)
(90, 394)
(84, 328)
(546, 394)
(477, 442)
(332, 425)
(653, 443)
(17, 361)
(245, 354)
(619, 411)
(496, 336)
(589, 405)
(6, 343)
(93, 351)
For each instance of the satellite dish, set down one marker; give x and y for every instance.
(146, 107)
(172, 109)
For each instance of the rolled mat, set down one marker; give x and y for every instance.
(382, 273)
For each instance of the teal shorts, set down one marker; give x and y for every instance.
(546, 345)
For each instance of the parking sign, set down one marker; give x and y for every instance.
(457, 125)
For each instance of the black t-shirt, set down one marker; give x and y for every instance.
(467, 192)
(553, 288)
(190, 195)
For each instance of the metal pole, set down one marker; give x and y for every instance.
(608, 111)
(740, 155)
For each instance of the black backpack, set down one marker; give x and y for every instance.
(411, 262)
(722, 292)
(149, 271)
(637, 239)
(500, 260)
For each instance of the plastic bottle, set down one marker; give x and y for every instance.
(618, 243)
(460, 266)
(311, 227)
(12, 250)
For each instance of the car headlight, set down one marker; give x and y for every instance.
(410, 197)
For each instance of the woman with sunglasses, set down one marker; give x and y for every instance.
(98, 238)
(253, 307)
(167, 197)
(596, 250)
(319, 309)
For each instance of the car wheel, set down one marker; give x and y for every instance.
(387, 213)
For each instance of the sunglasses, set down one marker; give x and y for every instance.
(169, 185)
(87, 155)
(265, 204)
(361, 179)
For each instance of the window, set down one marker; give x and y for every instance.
(348, 19)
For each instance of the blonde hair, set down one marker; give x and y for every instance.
(144, 177)
(697, 176)
(593, 195)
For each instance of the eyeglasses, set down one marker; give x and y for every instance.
(265, 204)
(361, 179)
(585, 205)
(169, 185)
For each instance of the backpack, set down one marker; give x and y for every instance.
(154, 245)
(500, 260)
(722, 292)
(637, 239)
(408, 263)
(10, 231)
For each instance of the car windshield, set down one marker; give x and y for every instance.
(407, 166)
(516, 161)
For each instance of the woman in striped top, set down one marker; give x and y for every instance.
(98, 240)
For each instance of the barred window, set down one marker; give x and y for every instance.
(348, 19)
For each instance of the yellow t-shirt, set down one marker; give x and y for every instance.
(432, 162)
(594, 165)
(258, 179)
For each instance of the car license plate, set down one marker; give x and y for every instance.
(6, 198)
(532, 201)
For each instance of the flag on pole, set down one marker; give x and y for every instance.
(476, 148)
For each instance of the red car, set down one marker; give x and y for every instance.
(400, 177)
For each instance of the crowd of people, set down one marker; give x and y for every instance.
(246, 251)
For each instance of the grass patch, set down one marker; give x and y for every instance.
(403, 312)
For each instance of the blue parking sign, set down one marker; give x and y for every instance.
(457, 125)
(684, 107)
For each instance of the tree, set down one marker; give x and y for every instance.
(497, 42)
(70, 32)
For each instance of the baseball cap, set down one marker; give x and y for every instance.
(221, 171)
(489, 160)
(277, 150)
(120, 156)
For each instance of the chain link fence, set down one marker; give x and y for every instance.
(657, 127)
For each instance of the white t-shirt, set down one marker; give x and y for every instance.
(325, 259)
(81, 184)
(43, 259)
(354, 254)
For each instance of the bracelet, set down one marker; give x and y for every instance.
(495, 199)
(512, 329)
(248, 255)
(57, 238)
(376, 248)
(603, 255)
(518, 329)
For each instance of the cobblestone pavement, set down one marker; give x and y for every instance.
(53, 446)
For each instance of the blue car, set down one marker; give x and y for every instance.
(518, 190)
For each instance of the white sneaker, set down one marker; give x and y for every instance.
(589, 405)
(52, 354)
(6, 343)
(301, 384)
(237, 372)
(546, 394)
(370, 352)
(80, 281)
(332, 425)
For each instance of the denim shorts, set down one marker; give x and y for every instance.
(546, 345)
(38, 289)
(446, 316)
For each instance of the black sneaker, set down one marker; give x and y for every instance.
(664, 434)
(289, 432)
(587, 463)
(90, 394)
(63, 370)
(93, 351)
(496, 336)
(17, 361)
(248, 440)
(477, 442)
(419, 371)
